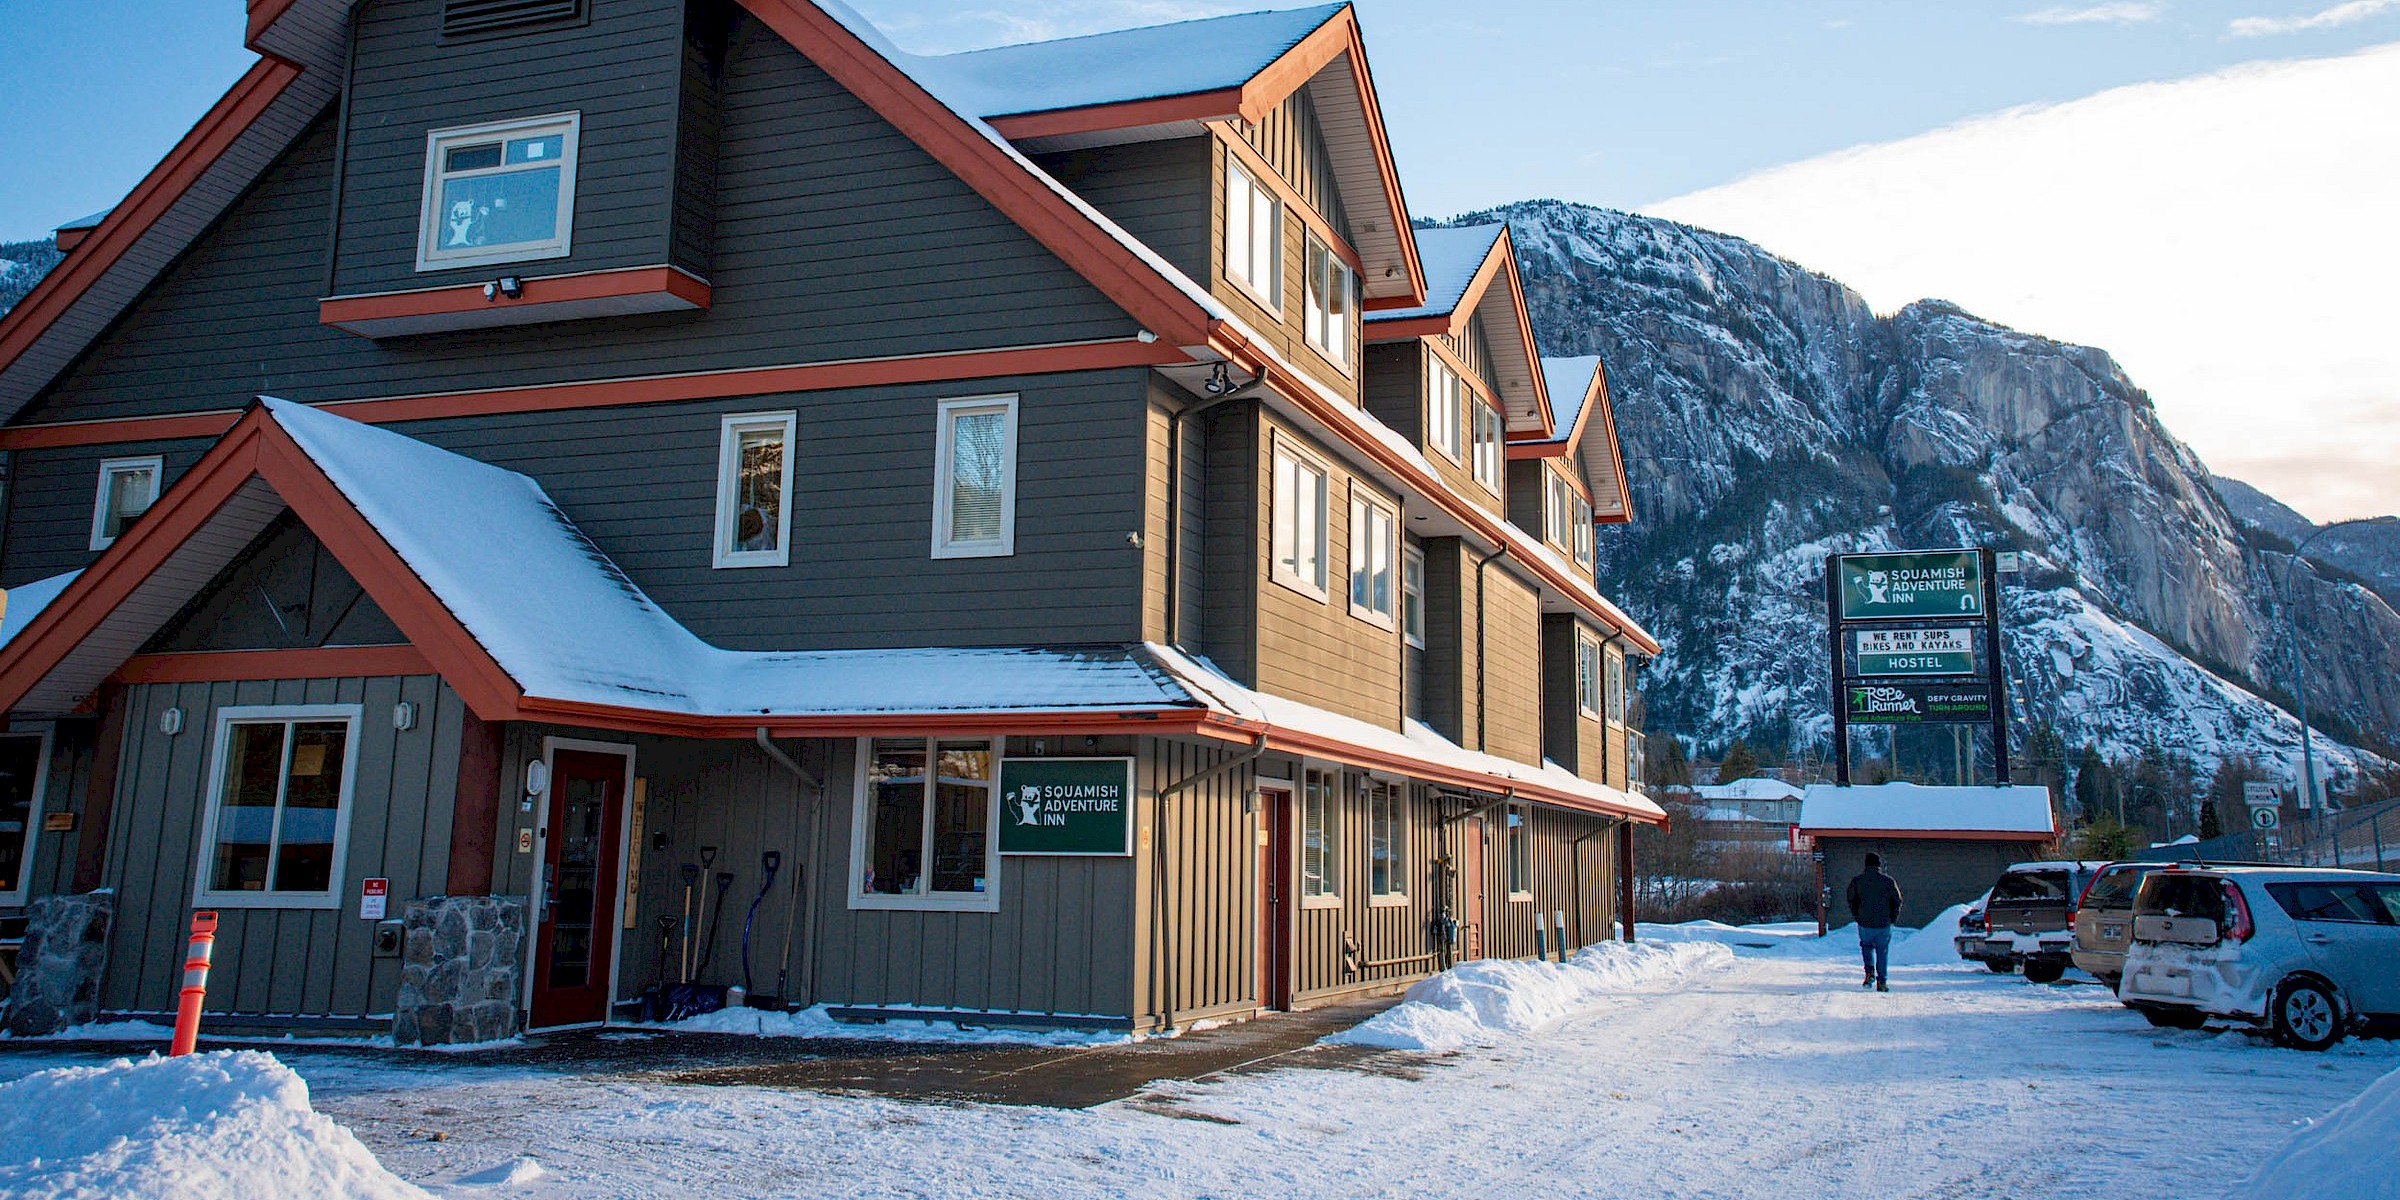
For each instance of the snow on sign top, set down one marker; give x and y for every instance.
(1187, 57)
(1450, 258)
(1908, 808)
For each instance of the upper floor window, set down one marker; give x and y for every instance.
(1616, 689)
(1446, 398)
(1582, 512)
(1412, 596)
(1489, 453)
(975, 479)
(1332, 287)
(1318, 862)
(1587, 674)
(1298, 541)
(754, 482)
(499, 192)
(279, 807)
(1253, 236)
(1555, 507)
(128, 487)
(1371, 531)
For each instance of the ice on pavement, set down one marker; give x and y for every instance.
(1476, 1002)
(2348, 1154)
(234, 1125)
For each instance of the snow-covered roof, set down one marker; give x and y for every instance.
(27, 600)
(1905, 808)
(1180, 59)
(88, 221)
(1757, 787)
(1451, 257)
(1568, 380)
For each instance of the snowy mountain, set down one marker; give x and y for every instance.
(2366, 551)
(1770, 417)
(22, 264)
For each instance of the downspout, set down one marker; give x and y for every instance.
(1174, 596)
(1159, 925)
(1625, 881)
(804, 877)
(1482, 705)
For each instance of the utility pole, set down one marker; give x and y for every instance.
(2291, 618)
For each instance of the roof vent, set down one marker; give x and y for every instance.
(468, 18)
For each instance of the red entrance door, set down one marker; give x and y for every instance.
(1274, 898)
(575, 940)
(1471, 906)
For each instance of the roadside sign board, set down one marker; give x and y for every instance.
(1933, 583)
(1798, 842)
(2266, 819)
(1907, 651)
(374, 895)
(2260, 794)
(1066, 806)
(1913, 702)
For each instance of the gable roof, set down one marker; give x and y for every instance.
(1462, 263)
(1584, 424)
(2010, 813)
(1185, 58)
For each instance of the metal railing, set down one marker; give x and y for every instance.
(2367, 838)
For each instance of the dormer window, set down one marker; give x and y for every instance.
(1253, 236)
(497, 193)
(1332, 291)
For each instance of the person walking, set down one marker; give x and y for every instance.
(1875, 904)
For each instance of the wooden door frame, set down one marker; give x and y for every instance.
(541, 866)
(1275, 954)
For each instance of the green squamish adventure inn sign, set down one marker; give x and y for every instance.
(1066, 806)
(1939, 583)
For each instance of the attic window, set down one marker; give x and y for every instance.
(128, 487)
(500, 192)
(469, 18)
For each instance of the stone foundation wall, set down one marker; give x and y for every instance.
(461, 970)
(58, 969)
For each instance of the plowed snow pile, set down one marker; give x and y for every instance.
(235, 1125)
(2348, 1154)
(1478, 1002)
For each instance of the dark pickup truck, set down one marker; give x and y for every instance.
(2029, 922)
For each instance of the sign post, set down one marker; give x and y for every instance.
(1066, 806)
(1904, 629)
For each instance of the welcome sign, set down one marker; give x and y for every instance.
(1066, 806)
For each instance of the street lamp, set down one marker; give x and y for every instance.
(2308, 755)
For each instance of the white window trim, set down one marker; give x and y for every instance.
(1314, 589)
(1412, 565)
(1397, 897)
(1586, 550)
(1363, 509)
(1346, 357)
(33, 817)
(1507, 855)
(1270, 297)
(729, 432)
(222, 738)
(987, 900)
(1445, 407)
(157, 467)
(1586, 643)
(429, 255)
(1479, 412)
(944, 424)
(1615, 703)
(1331, 897)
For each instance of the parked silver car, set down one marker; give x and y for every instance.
(2308, 953)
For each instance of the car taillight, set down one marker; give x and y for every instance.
(2237, 909)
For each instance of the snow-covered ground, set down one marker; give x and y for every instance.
(1678, 1070)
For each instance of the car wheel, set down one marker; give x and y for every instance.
(2111, 982)
(2000, 966)
(2306, 1015)
(2174, 1018)
(2043, 970)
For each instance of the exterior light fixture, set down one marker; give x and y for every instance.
(170, 722)
(537, 777)
(404, 716)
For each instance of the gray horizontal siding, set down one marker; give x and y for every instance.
(1159, 191)
(51, 494)
(835, 238)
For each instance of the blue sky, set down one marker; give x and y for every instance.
(1622, 103)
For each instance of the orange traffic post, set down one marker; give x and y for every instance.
(195, 983)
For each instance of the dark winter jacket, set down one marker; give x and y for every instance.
(1874, 899)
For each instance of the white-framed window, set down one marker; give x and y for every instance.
(1616, 689)
(1516, 852)
(1412, 596)
(921, 828)
(1489, 453)
(754, 489)
(1587, 674)
(1253, 236)
(278, 821)
(24, 780)
(128, 487)
(1582, 511)
(1330, 302)
(1557, 508)
(498, 192)
(1298, 539)
(1319, 887)
(1446, 398)
(1371, 534)
(1387, 842)
(975, 479)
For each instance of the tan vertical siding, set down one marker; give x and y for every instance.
(1209, 906)
(1557, 863)
(1512, 672)
(1314, 650)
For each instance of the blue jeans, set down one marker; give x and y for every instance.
(1875, 946)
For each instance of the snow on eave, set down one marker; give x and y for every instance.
(1452, 257)
(2020, 810)
(1118, 66)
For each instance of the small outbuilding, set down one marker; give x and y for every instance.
(1942, 845)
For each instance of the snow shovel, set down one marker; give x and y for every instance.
(683, 951)
(768, 863)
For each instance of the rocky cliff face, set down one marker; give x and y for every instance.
(1769, 418)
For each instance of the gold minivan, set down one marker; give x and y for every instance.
(2104, 920)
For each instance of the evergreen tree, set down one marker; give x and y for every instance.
(1668, 768)
(2095, 791)
(1738, 763)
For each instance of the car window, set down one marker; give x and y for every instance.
(2115, 889)
(2031, 885)
(2181, 896)
(2387, 894)
(2347, 902)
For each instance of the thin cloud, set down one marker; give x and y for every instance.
(2339, 14)
(2122, 12)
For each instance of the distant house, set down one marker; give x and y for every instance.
(1747, 813)
(1942, 845)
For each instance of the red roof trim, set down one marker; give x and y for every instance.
(328, 662)
(1125, 114)
(667, 286)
